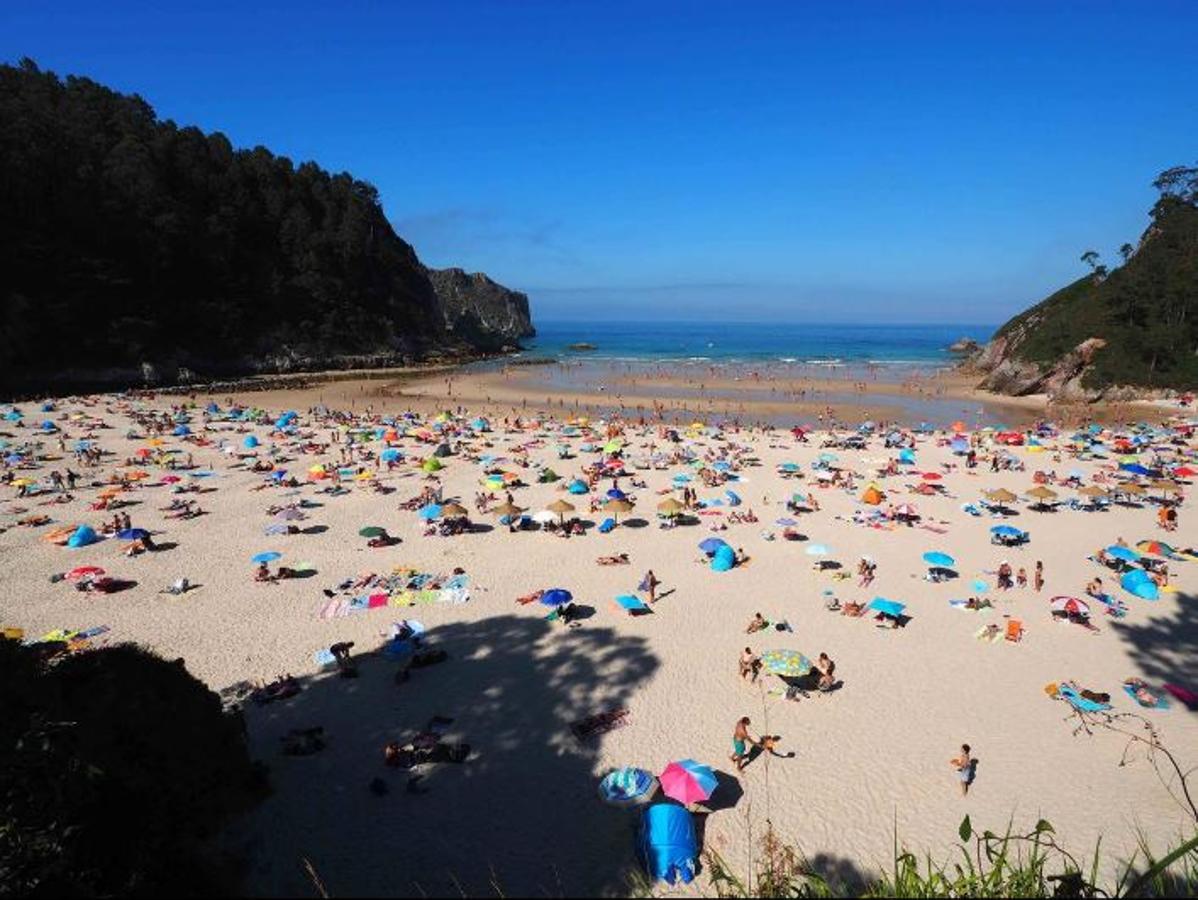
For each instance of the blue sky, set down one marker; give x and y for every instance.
(899, 161)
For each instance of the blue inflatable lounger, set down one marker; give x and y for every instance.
(667, 844)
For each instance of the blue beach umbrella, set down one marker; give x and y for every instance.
(711, 544)
(267, 556)
(627, 786)
(887, 607)
(133, 534)
(432, 511)
(817, 550)
(391, 454)
(556, 597)
(1006, 531)
(1137, 582)
(250, 442)
(936, 558)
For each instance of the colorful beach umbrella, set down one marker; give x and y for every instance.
(1070, 605)
(688, 781)
(788, 663)
(80, 572)
(1124, 553)
(628, 786)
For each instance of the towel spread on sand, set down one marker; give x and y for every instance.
(404, 587)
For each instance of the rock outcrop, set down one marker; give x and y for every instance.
(479, 311)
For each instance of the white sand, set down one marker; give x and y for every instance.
(871, 757)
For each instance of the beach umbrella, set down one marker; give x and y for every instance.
(979, 586)
(390, 454)
(432, 464)
(711, 544)
(616, 494)
(561, 507)
(431, 511)
(688, 781)
(1165, 487)
(615, 507)
(1135, 468)
(371, 531)
(272, 530)
(577, 486)
(171, 479)
(670, 507)
(543, 516)
(1124, 553)
(887, 607)
(289, 515)
(250, 442)
(1130, 487)
(906, 510)
(132, 534)
(723, 559)
(1043, 494)
(80, 572)
(1000, 496)
(454, 511)
(1139, 583)
(1156, 548)
(817, 550)
(507, 509)
(556, 597)
(788, 663)
(627, 787)
(1070, 605)
(265, 557)
(1092, 491)
(931, 476)
(936, 558)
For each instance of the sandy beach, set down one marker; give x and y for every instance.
(521, 815)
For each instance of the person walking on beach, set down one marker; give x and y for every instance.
(963, 763)
(650, 583)
(741, 739)
(1038, 577)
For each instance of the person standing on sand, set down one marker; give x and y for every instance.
(741, 739)
(963, 763)
(1038, 577)
(649, 584)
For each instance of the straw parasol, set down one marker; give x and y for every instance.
(454, 510)
(1165, 487)
(1043, 494)
(1130, 487)
(561, 507)
(670, 507)
(617, 506)
(1091, 490)
(507, 509)
(1002, 495)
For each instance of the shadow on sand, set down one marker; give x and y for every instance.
(520, 817)
(1165, 650)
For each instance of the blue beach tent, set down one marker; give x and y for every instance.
(667, 845)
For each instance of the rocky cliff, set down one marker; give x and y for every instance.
(1131, 331)
(134, 249)
(480, 311)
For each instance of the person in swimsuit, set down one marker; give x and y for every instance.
(741, 739)
(963, 763)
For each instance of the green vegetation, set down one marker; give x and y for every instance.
(1012, 864)
(1146, 309)
(113, 765)
(126, 239)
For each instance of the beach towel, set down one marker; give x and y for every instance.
(1185, 695)
(1078, 702)
(631, 604)
(991, 633)
(963, 606)
(600, 723)
(1162, 701)
(377, 600)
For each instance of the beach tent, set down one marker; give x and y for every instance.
(83, 536)
(442, 451)
(432, 464)
(872, 495)
(250, 442)
(391, 454)
(667, 845)
(577, 486)
(723, 559)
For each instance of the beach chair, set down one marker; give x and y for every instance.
(1014, 631)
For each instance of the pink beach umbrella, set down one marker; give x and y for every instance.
(688, 781)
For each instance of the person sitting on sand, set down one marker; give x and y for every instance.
(757, 623)
(263, 573)
(975, 603)
(749, 665)
(827, 672)
(1095, 589)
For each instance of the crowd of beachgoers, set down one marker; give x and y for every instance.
(815, 625)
